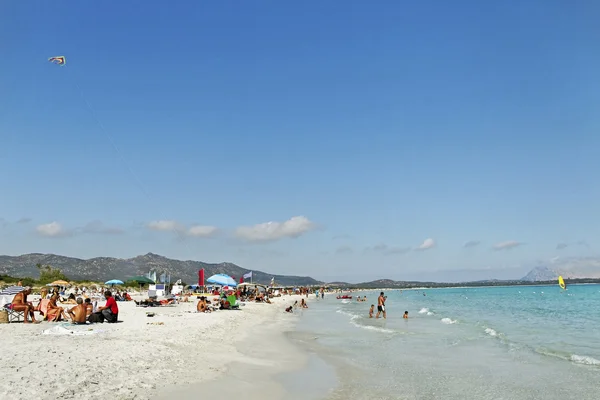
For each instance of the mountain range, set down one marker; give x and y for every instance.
(105, 268)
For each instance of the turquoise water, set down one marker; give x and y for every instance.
(467, 343)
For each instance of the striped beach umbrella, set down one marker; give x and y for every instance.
(11, 290)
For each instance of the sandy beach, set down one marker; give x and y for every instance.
(139, 358)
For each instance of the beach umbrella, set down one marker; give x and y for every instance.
(222, 279)
(11, 290)
(113, 282)
(58, 283)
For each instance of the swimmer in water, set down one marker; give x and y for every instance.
(405, 315)
(371, 310)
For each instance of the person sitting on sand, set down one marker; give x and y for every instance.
(78, 313)
(20, 303)
(371, 310)
(44, 293)
(405, 316)
(89, 308)
(202, 306)
(110, 311)
(224, 305)
(54, 313)
(303, 304)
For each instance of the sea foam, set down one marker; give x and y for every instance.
(448, 321)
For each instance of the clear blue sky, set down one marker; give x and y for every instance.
(383, 124)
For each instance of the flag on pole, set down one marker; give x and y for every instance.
(201, 277)
(248, 275)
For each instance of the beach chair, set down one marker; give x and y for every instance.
(233, 303)
(14, 316)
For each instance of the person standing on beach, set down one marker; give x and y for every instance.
(381, 306)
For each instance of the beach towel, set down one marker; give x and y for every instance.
(60, 330)
(44, 307)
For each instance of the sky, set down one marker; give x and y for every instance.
(345, 140)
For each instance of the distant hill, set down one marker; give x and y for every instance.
(572, 268)
(105, 268)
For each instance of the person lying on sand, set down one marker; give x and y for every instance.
(54, 313)
(70, 300)
(78, 313)
(20, 303)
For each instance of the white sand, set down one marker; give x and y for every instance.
(131, 359)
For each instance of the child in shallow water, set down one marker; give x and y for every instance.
(405, 315)
(371, 310)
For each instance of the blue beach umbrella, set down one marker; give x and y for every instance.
(222, 279)
(113, 282)
(12, 290)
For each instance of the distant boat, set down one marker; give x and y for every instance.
(561, 283)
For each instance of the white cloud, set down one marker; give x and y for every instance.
(202, 231)
(165, 225)
(52, 229)
(99, 227)
(472, 243)
(509, 244)
(269, 231)
(427, 244)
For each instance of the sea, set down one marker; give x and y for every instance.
(520, 342)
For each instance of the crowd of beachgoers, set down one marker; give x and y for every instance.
(97, 304)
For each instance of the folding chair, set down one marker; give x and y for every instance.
(14, 316)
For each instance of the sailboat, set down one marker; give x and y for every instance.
(561, 283)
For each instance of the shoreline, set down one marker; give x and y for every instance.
(266, 363)
(139, 358)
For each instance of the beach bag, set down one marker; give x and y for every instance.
(96, 318)
(3, 317)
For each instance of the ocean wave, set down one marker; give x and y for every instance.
(345, 301)
(425, 311)
(491, 332)
(448, 321)
(354, 321)
(574, 358)
(371, 327)
(585, 360)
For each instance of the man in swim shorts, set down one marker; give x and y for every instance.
(78, 313)
(381, 306)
